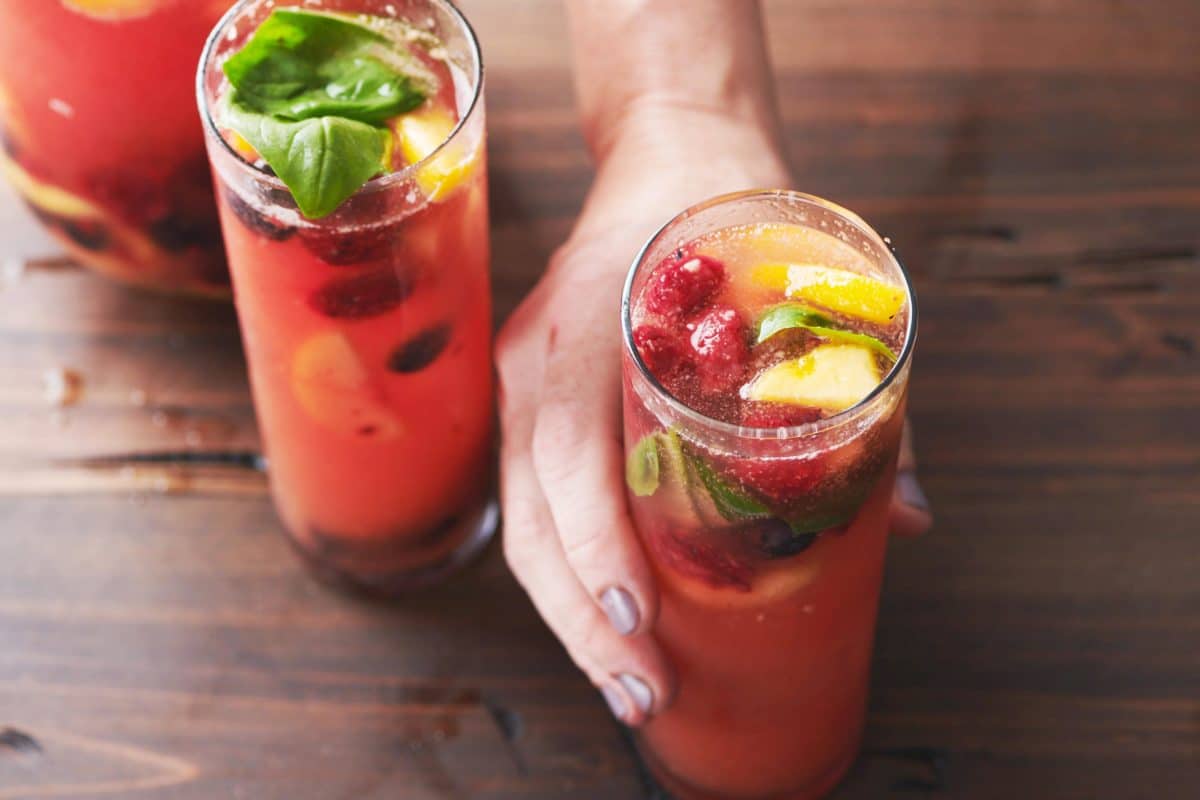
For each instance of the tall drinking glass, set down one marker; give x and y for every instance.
(99, 136)
(367, 331)
(768, 624)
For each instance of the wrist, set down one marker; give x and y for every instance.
(664, 158)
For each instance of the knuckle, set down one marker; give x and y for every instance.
(584, 547)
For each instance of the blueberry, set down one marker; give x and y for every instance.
(777, 540)
(361, 296)
(177, 232)
(421, 350)
(256, 221)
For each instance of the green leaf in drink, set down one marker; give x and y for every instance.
(731, 501)
(322, 161)
(792, 316)
(311, 92)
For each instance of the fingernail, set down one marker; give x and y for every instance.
(638, 690)
(910, 491)
(616, 702)
(621, 610)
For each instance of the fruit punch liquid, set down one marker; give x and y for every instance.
(767, 346)
(368, 330)
(99, 134)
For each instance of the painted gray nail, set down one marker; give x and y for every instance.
(638, 690)
(621, 610)
(910, 491)
(616, 702)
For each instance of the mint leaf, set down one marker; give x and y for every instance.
(731, 502)
(850, 337)
(786, 317)
(791, 316)
(303, 64)
(322, 161)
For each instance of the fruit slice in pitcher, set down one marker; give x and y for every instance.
(112, 10)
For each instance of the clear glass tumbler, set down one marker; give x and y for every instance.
(772, 645)
(368, 332)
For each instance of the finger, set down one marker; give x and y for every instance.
(579, 461)
(631, 673)
(910, 514)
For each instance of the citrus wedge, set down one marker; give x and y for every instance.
(832, 376)
(840, 290)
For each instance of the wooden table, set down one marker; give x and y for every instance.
(1038, 164)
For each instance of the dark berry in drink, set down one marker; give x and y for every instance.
(421, 350)
(346, 248)
(777, 415)
(775, 539)
(361, 296)
(257, 221)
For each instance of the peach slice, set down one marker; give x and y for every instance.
(333, 386)
(419, 134)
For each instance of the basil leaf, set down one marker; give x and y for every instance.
(791, 316)
(786, 317)
(322, 161)
(850, 337)
(731, 502)
(302, 64)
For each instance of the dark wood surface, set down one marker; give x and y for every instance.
(1037, 163)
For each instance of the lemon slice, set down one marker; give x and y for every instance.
(112, 10)
(47, 196)
(333, 386)
(832, 376)
(421, 132)
(840, 290)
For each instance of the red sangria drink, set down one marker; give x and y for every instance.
(347, 145)
(768, 337)
(99, 135)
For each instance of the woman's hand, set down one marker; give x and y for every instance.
(568, 536)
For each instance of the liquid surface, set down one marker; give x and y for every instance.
(768, 325)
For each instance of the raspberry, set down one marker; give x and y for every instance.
(361, 296)
(680, 286)
(777, 415)
(780, 481)
(694, 558)
(721, 353)
(659, 348)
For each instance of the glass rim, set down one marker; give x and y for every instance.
(375, 184)
(784, 432)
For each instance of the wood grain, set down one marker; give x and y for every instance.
(1038, 164)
